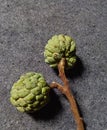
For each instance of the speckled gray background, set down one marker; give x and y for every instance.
(25, 26)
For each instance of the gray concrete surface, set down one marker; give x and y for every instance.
(25, 27)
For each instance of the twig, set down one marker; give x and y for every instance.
(67, 92)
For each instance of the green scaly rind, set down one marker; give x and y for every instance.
(58, 47)
(30, 93)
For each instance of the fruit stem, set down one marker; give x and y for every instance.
(68, 93)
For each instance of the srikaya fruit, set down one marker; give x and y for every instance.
(58, 47)
(30, 93)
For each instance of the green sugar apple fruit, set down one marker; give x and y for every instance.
(30, 93)
(58, 47)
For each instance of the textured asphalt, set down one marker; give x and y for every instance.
(25, 27)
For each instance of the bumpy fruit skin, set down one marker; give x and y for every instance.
(30, 93)
(58, 47)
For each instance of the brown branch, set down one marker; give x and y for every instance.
(67, 92)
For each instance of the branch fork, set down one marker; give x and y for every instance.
(65, 89)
